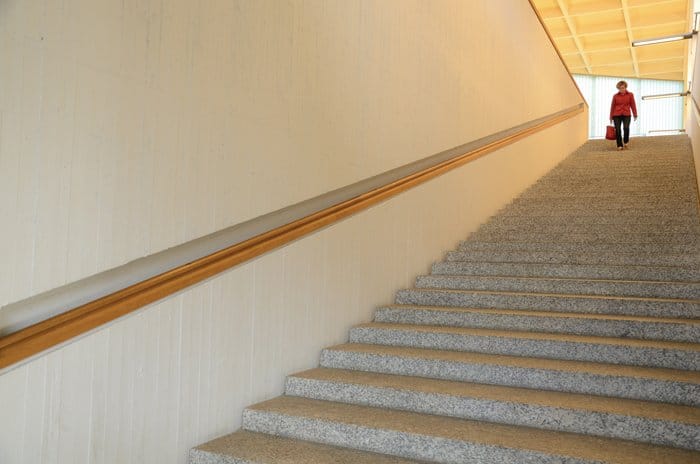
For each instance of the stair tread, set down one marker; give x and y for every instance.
(607, 265)
(602, 369)
(671, 273)
(571, 279)
(563, 327)
(610, 405)
(561, 285)
(555, 295)
(549, 314)
(247, 447)
(540, 336)
(484, 433)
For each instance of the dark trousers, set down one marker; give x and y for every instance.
(625, 122)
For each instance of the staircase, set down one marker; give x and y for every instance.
(565, 330)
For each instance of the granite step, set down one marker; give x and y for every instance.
(586, 271)
(530, 227)
(603, 325)
(603, 203)
(555, 218)
(600, 287)
(595, 192)
(601, 379)
(605, 181)
(666, 185)
(585, 210)
(555, 179)
(630, 351)
(649, 422)
(614, 198)
(592, 304)
(588, 237)
(444, 439)
(617, 258)
(630, 181)
(244, 447)
(583, 248)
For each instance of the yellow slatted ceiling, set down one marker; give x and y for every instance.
(595, 36)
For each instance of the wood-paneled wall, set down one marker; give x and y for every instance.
(128, 127)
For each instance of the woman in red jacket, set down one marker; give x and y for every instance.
(621, 109)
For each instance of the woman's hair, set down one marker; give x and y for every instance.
(621, 83)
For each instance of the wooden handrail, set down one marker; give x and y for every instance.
(51, 332)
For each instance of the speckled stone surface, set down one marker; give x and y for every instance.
(650, 289)
(397, 442)
(444, 439)
(576, 258)
(585, 271)
(548, 227)
(668, 248)
(649, 384)
(599, 221)
(670, 425)
(645, 328)
(651, 353)
(244, 447)
(565, 326)
(551, 302)
(591, 236)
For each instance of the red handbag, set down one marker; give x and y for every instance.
(610, 133)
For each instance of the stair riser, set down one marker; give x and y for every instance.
(573, 258)
(558, 220)
(568, 271)
(532, 227)
(609, 203)
(581, 215)
(573, 287)
(565, 325)
(588, 237)
(652, 187)
(556, 180)
(549, 349)
(663, 248)
(489, 410)
(561, 210)
(573, 304)
(650, 192)
(396, 443)
(642, 195)
(544, 379)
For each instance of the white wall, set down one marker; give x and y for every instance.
(179, 373)
(128, 127)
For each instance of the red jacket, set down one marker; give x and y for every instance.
(621, 105)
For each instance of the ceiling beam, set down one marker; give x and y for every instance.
(614, 49)
(693, 25)
(633, 52)
(607, 10)
(659, 60)
(623, 29)
(572, 28)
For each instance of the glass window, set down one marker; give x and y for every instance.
(660, 114)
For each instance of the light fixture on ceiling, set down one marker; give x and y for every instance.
(668, 38)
